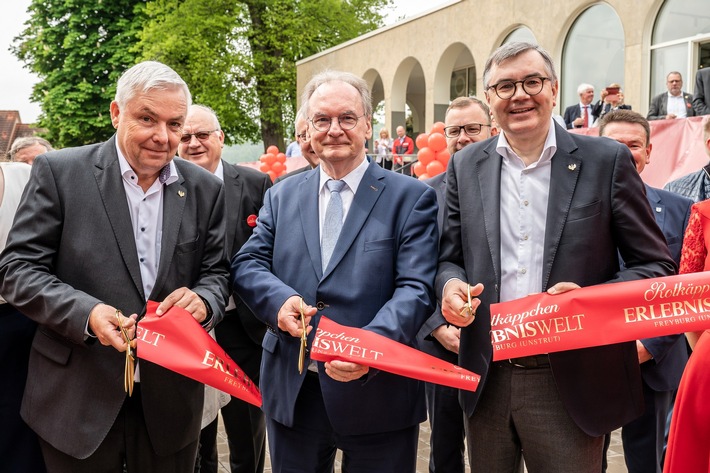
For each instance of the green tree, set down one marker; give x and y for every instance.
(78, 49)
(242, 61)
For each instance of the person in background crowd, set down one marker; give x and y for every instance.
(25, 149)
(293, 150)
(581, 115)
(357, 243)
(239, 333)
(696, 185)
(383, 146)
(548, 211)
(304, 140)
(662, 359)
(672, 104)
(19, 448)
(467, 120)
(612, 98)
(122, 222)
(402, 145)
(701, 101)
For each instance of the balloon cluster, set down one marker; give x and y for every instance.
(432, 157)
(273, 162)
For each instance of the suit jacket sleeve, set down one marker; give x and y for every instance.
(700, 102)
(654, 111)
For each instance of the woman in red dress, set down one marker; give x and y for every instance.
(689, 439)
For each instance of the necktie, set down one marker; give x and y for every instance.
(333, 221)
(586, 116)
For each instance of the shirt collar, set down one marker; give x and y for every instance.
(168, 174)
(219, 172)
(352, 179)
(548, 150)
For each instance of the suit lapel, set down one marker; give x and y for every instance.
(563, 181)
(370, 189)
(233, 189)
(657, 207)
(308, 211)
(488, 174)
(108, 178)
(174, 198)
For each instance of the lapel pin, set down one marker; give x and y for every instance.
(658, 209)
(572, 167)
(373, 188)
(181, 193)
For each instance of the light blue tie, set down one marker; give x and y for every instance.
(333, 221)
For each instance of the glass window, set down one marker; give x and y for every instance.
(463, 83)
(665, 60)
(681, 19)
(522, 33)
(593, 53)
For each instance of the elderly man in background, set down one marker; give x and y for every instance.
(239, 333)
(539, 209)
(122, 222)
(25, 149)
(467, 120)
(304, 142)
(672, 104)
(581, 115)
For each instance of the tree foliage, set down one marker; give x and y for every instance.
(242, 60)
(78, 48)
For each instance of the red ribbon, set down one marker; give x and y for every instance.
(176, 341)
(338, 342)
(600, 315)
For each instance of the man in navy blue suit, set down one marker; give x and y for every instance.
(662, 359)
(377, 274)
(582, 114)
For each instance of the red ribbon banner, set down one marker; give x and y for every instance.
(176, 341)
(339, 342)
(600, 315)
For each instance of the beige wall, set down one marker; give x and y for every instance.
(428, 44)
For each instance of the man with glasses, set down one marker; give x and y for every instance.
(358, 244)
(540, 209)
(304, 141)
(239, 333)
(467, 120)
(672, 104)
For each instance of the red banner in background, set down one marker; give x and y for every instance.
(600, 315)
(176, 341)
(339, 342)
(678, 149)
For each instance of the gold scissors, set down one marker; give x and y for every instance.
(304, 342)
(129, 370)
(467, 308)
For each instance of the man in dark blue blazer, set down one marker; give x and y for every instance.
(539, 209)
(574, 114)
(377, 275)
(662, 359)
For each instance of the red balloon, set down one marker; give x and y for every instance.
(443, 157)
(284, 172)
(273, 149)
(422, 140)
(264, 167)
(272, 175)
(277, 167)
(434, 168)
(437, 127)
(424, 177)
(419, 169)
(425, 156)
(280, 157)
(263, 158)
(270, 159)
(437, 142)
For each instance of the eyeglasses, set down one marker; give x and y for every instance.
(301, 136)
(506, 89)
(346, 121)
(471, 129)
(200, 135)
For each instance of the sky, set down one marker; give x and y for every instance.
(16, 82)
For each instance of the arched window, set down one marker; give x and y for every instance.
(593, 53)
(680, 42)
(521, 33)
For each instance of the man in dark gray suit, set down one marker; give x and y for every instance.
(540, 209)
(102, 229)
(240, 333)
(672, 104)
(701, 102)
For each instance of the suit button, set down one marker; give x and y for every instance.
(321, 305)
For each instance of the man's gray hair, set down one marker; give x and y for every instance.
(145, 76)
(514, 49)
(337, 76)
(25, 142)
(583, 88)
(208, 110)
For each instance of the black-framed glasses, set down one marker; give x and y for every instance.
(346, 121)
(200, 135)
(471, 129)
(505, 89)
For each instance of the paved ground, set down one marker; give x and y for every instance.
(615, 457)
